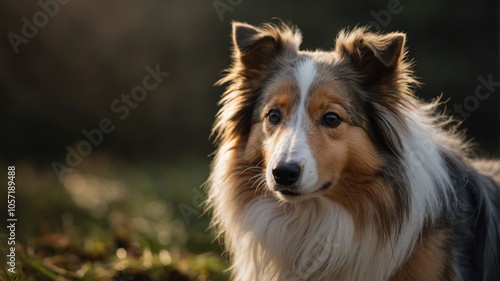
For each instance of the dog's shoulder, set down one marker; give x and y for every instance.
(485, 182)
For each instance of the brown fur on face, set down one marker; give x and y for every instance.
(345, 156)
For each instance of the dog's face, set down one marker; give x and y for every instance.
(310, 140)
(316, 122)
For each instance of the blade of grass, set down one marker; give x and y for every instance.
(44, 271)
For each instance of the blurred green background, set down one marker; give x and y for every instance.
(131, 208)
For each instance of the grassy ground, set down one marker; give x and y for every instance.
(123, 222)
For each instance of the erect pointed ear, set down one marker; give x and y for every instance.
(386, 78)
(374, 55)
(257, 48)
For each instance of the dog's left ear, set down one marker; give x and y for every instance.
(385, 76)
(376, 56)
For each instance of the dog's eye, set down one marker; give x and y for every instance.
(274, 116)
(331, 120)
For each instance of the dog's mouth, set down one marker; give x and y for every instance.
(325, 186)
(293, 193)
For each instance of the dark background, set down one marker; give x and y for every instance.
(66, 77)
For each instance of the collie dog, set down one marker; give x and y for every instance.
(329, 168)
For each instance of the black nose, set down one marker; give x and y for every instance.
(286, 174)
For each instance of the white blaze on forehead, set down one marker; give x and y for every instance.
(293, 146)
(305, 74)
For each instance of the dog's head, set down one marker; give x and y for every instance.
(315, 122)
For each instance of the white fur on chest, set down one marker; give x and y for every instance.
(312, 240)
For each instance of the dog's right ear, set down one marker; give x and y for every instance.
(255, 52)
(258, 48)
